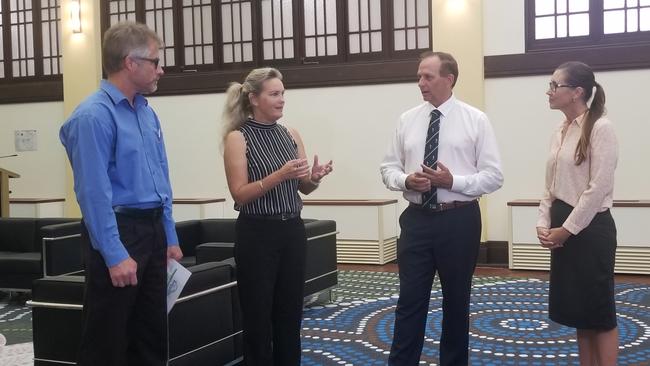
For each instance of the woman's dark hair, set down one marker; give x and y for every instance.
(580, 75)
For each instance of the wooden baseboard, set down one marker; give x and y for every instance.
(493, 254)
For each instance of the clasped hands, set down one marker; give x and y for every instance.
(552, 238)
(423, 181)
(299, 168)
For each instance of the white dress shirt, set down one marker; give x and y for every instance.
(467, 146)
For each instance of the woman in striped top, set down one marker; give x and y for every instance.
(266, 167)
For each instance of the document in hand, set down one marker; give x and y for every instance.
(177, 277)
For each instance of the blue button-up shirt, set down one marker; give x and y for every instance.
(118, 158)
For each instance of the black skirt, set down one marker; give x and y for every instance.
(581, 293)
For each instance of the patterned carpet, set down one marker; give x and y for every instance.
(509, 325)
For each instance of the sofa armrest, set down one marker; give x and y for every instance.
(320, 268)
(214, 252)
(61, 251)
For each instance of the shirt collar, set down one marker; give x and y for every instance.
(445, 107)
(117, 96)
(578, 120)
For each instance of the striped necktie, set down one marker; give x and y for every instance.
(430, 199)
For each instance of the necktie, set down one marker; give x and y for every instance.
(430, 199)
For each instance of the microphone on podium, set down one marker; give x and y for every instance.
(8, 156)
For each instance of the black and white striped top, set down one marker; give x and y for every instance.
(268, 148)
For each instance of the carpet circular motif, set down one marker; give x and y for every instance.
(509, 324)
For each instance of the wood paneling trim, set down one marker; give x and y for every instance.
(32, 91)
(35, 200)
(359, 73)
(196, 201)
(331, 202)
(624, 57)
(617, 203)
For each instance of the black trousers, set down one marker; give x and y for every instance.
(270, 256)
(128, 325)
(447, 243)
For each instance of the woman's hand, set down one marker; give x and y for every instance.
(294, 169)
(319, 171)
(552, 238)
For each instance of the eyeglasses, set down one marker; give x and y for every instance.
(552, 86)
(154, 61)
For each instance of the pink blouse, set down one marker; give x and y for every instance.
(587, 187)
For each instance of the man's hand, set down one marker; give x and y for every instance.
(416, 182)
(440, 177)
(174, 252)
(124, 273)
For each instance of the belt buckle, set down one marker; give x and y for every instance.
(285, 216)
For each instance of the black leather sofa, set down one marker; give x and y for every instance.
(31, 248)
(204, 326)
(212, 240)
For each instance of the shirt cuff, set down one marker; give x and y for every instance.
(401, 182)
(172, 237)
(572, 228)
(459, 183)
(114, 254)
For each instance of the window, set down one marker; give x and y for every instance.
(553, 24)
(208, 43)
(605, 34)
(30, 57)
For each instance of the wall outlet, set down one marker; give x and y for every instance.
(25, 140)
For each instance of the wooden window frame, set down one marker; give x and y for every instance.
(25, 89)
(621, 51)
(343, 69)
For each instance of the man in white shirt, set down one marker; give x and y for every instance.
(441, 228)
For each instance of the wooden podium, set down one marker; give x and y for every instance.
(4, 190)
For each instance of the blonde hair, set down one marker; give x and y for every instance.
(238, 106)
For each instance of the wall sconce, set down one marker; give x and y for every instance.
(75, 16)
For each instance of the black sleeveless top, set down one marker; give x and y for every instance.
(268, 148)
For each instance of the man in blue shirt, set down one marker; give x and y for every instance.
(115, 146)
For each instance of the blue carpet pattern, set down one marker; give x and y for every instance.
(509, 324)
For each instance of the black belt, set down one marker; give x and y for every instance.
(442, 206)
(278, 217)
(141, 213)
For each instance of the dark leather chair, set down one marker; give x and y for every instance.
(213, 240)
(204, 325)
(30, 248)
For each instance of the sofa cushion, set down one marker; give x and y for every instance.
(218, 230)
(17, 234)
(17, 262)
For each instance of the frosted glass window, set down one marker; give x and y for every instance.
(613, 4)
(321, 27)
(159, 17)
(50, 35)
(578, 25)
(578, 6)
(277, 29)
(562, 26)
(236, 30)
(625, 16)
(411, 24)
(22, 38)
(544, 7)
(553, 19)
(121, 10)
(644, 19)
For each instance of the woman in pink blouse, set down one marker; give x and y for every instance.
(574, 217)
